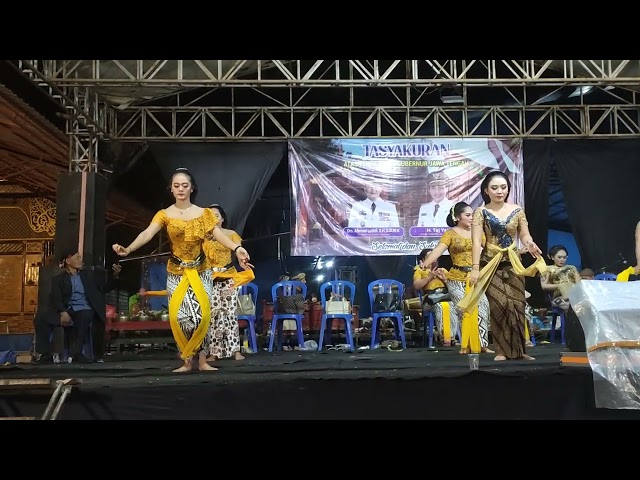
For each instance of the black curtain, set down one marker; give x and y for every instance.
(233, 175)
(537, 165)
(600, 184)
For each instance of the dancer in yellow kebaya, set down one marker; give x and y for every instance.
(189, 277)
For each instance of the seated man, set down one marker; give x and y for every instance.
(49, 334)
(79, 300)
(587, 274)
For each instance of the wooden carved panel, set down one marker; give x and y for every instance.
(11, 271)
(34, 247)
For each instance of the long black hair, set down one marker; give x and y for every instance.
(455, 212)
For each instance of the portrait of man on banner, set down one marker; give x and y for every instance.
(373, 211)
(434, 213)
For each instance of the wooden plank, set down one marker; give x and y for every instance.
(574, 359)
(26, 382)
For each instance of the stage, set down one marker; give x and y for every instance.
(414, 384)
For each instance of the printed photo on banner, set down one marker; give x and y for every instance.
(388, 196)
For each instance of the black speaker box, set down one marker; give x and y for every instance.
(80, 216)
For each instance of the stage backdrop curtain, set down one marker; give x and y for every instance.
(537, 166)
(233, 175)
(600, 185)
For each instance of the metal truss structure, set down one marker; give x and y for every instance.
(249, 100)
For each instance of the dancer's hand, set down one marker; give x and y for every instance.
(243, 258)
(636, 269)
(441, 273)
(473, 277)
(120, 250)
(533, 249)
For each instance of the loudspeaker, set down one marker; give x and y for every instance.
(80, 215)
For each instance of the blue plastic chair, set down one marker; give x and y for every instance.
(386, 285)
(428, 326)
(289, 287)
(609, 277)
(326, 321)
(250, 289)
(556, 312)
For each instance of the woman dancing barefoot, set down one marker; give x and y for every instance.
(502, 276)
(189, 282)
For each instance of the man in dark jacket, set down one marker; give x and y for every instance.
(49, 334)
(79, 299)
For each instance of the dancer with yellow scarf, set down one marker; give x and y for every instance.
(189, 276)
(502, 275)
(475, 324)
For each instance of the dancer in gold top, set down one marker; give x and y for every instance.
(458, 241)
(501, 277)
(189, 277)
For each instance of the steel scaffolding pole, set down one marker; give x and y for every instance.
(328, 73)
(248, 100)
(83, 148)
(201, 124)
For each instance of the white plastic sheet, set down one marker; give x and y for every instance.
(610, 316)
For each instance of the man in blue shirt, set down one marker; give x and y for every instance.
(79, 299)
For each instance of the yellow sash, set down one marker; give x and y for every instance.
(189, 347)
(190, 277)
(470, 341)
(471, 298)
(446, 322)
(623, 276)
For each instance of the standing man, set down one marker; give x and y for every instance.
(79, 299)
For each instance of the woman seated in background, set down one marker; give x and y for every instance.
(430, 279)
(557, 274)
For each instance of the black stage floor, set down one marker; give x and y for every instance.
(381, 384)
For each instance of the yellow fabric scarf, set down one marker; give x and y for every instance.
(470, 341)
(471, 298)
(189, 347)
(623, 276)
(446, 322)
(191, 277)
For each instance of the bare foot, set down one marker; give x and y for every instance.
(527, 357)
(205, 367)
(238, 356)
(487, 350)
(186, 367)
(464, 351)
(500, 358)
